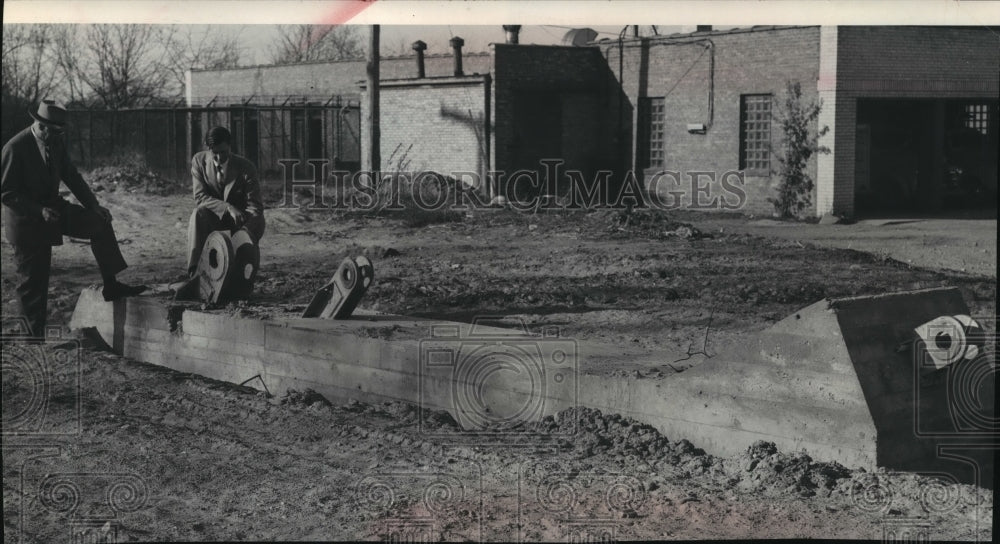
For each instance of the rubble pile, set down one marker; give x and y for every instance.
(648, 223)
(132, 177)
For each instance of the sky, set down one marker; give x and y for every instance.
(396, 39)
(436, 21)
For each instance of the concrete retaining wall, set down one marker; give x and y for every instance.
(828, 379)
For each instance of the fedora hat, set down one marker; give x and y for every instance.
(50, 112)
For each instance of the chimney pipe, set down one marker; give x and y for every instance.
(511, 32)
(456, 44)
(420, 47)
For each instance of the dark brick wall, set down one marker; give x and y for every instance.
(919, 61)
(760, 61)
(551, 102)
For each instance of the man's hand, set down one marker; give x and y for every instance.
(104, 213)
(50, 215)
(238, 216)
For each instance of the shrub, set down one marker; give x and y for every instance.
(799, 143)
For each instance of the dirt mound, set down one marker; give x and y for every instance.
(308, 397)
(647, 223)
(763, 468)
(132, 177)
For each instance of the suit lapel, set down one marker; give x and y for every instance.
(210, 169)
(229, 182)
(44, 167)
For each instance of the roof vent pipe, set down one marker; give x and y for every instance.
(456, 44)
(420, 47)
(511, 32)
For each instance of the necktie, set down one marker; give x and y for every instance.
(218, 173)
(48, 158)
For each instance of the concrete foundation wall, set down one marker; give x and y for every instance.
(828, 379)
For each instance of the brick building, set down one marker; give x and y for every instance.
(906, 108)
(530, 103)
(911, 111)
(307, 110)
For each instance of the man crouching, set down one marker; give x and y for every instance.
(227, 193)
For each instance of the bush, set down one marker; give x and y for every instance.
(799, 144)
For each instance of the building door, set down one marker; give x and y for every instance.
(862, 157)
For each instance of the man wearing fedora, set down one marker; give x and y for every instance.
(36, 217)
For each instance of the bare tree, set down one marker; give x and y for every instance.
(193, 48)
(29, 68)
(397, 47)
(29, 74)
(122, 65)
(297, 43)
(68, 60)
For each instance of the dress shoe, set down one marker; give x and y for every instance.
(117, 290)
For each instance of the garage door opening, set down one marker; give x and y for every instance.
(926, 156)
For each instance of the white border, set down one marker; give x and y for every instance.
(572, 12)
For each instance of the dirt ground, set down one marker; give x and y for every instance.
(960, 244)
(172, 456)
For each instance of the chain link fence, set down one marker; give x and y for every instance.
(165, 138)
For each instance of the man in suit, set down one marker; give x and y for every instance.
(227, 193)
(36, 217)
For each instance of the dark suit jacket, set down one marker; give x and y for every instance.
(28, 185)
(240, 188)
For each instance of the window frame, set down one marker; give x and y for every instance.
(751, 103)
(977, 117)
(652, 116)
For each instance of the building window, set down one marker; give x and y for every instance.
(977, 117)
(651, 144)
(755, 133)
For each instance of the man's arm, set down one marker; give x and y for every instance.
(75, 182)
(11, 188)
(202, 194)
